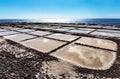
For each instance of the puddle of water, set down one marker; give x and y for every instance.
(25, 30)
(106, 34)
(107, 44)
(86, 57)
(7, 33)
(43, 44)
(80, 31)
(64, 37)
(18, 37)
(40, 33)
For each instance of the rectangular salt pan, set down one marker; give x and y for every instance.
(43, 45)
(94, 26)
(86, 57)
(63, 37)
(86, 29)
(40, 33)
(106, 34)
(111, 27)
(45, 28)
(109, 31)
(2, 30)
(5, 27)
(69, 28)
(106, 44)
(80, 31)
(7, 33)
(25, 30)
(19, 37)
(15, 28)
(36, 27)
(55, 27)
(61, 29)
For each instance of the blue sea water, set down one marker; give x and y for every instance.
(77, 21)
(101, 21)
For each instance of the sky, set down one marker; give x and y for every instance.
(37, 9)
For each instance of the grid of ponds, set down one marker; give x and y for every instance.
(69, 43)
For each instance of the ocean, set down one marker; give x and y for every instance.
(77, 21)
